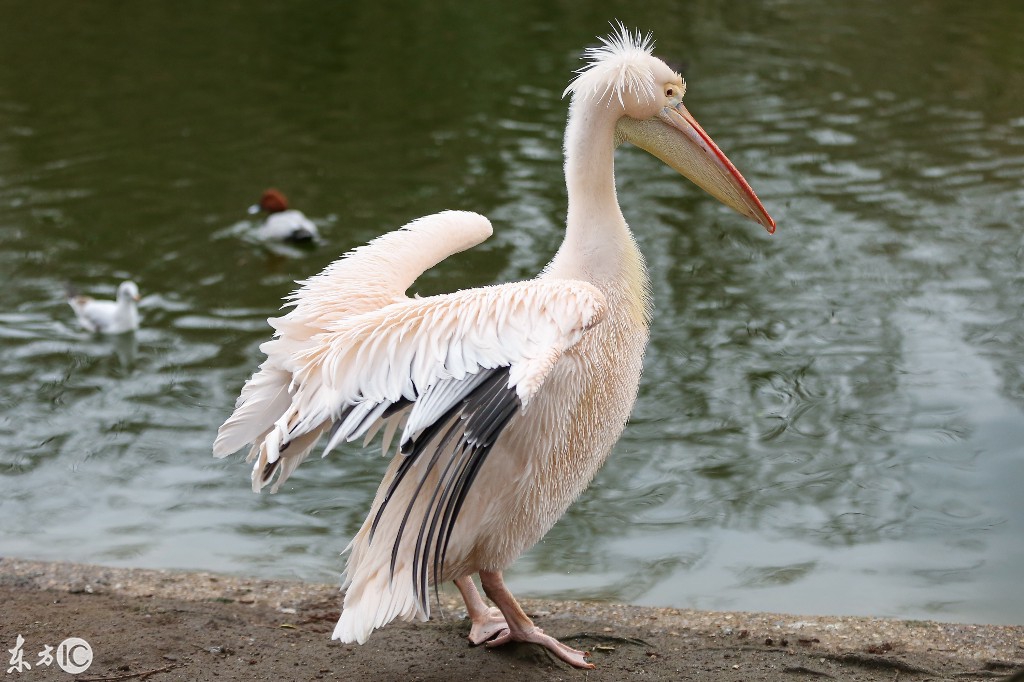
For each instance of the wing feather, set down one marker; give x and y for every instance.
(363, 280)
(262, 400)
(430, 351)
(411, 350)
(374, 275)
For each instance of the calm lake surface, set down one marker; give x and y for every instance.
(831, 420)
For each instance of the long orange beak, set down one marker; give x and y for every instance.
(676, 138)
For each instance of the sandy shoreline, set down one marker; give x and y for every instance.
(164, 625)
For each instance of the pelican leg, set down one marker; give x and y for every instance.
(521, 628)
(487, 620)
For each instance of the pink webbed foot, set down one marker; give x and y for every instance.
(487, 626)
(565, 652)
(520, 627)
(487, 620)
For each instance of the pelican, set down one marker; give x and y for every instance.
(505, 399)
(282, 223)
(108, 317)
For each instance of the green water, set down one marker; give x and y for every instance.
(830, 419)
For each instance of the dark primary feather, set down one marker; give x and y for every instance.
(270, 468)
(464, 435)
(487, 415)
(473, 413)
(488, 408)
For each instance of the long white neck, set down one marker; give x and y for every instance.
(590, 173)
(126, 311)
(598, 245)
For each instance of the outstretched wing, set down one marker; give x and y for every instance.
(414, 362)
(367, 278)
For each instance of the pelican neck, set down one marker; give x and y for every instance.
(597, 239)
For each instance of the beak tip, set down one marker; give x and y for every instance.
(762, 218)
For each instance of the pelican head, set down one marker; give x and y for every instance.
(623, 76)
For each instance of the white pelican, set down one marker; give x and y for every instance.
(108, 317)
(282, 223)
(508, 398)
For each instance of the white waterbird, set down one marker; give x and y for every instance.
(505, 399)
(108, 317)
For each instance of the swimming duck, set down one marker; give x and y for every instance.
(282, 223)
(108, 317)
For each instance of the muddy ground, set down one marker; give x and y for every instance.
(160, 626)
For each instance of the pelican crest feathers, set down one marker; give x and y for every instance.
(621, 63)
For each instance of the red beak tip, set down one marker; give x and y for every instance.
(766, 220)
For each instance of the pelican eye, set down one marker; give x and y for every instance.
(675, 90)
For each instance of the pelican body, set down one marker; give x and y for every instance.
(498, 405)
(108, 317)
